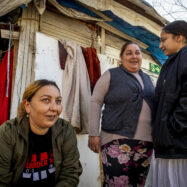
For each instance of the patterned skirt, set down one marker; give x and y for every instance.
(126, 162)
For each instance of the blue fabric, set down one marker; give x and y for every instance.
(76, 6)
(137, 32)
(23, 6)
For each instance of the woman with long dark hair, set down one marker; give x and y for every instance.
(170, 126)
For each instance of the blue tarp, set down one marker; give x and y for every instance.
(76, 6)
(137, 32)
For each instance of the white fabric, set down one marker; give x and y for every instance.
(106, 62)
(73, 13)
(133, 17)
(169, 172)
(40, 6)
(75, 88)
(7, 6)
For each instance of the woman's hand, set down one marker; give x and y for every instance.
(94, 143)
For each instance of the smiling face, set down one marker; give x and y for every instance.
(44, 109)
(169, 43)
(132, 58)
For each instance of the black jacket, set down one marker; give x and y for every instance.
(170, 125)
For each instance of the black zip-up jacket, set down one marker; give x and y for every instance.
(170, 125)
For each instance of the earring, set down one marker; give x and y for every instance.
(27, 115)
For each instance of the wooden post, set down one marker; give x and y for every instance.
(101, 169)
(102, 40)
(24, 75)
(14, 67)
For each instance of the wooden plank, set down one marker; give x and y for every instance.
(14, 67)
(64, 31)
(140, 10)
(24, 58)
(30, 46)
(6, 33)
(65, 23)
(57, 35)
(99, 13)
(31, 53)
(6, 26)
(121, 34)
(18, 75)
(26, 50)
(112, 52)
(36, 26)
(102, 40)
(101, 169)
(61, 27)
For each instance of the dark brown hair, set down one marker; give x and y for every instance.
(176, 28)
(125, 46)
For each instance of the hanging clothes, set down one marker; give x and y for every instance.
(107, 63)
(4, 100)
(62, 55)
(93, 65)
(75, 88)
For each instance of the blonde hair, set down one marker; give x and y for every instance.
(30, 92)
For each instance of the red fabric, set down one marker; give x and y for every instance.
(93, 64)
(4, 101)
(62, 55)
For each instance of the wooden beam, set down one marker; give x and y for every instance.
(139, 10)
(6, 33)
(14, 67)
(102, 40)
(99, 13)
(121, 34)
(25, 60)
(101, 169)
(6, 26)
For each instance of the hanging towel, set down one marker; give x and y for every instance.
(5, 101)
(93, 65)
(75, 88)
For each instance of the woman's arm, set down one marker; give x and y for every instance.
(96, 103)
